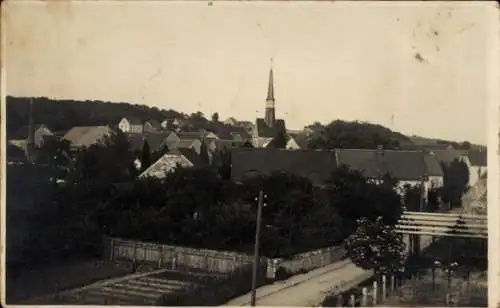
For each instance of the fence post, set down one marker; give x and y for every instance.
(160, 258)
(174, 262)
(135, 253)
(340, 300)
(384, 288)
(364, 297)
(375, 292)
(352, 300)
(393, 283)
(111, 249)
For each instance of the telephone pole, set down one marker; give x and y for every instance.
(256, 248)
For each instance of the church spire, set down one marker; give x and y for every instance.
(270, 116)
(270, 87)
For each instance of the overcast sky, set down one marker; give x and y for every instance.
(419, 69)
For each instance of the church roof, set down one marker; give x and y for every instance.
(270, 87)
(263, 130)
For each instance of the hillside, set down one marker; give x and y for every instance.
(64, 114)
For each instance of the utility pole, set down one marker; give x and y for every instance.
(256, 248)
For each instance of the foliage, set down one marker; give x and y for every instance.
(159, 153)
(204, 157)
(280, 140)
(215, 117)
(354, 135)
(64, 114)
(376, 246)
(145, 155)
(456, 179)
(355, 197)
(412, 195)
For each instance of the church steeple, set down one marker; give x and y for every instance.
(270, 116)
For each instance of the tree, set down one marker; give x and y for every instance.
(354, 135)
(411, 196)
(204, 157)
(280, 140)
(456, 179)
(145, 156)
(355, 197)
(215, 117)
(159, 153)
(376, 246)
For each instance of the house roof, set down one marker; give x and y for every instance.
(189, 154)
(228, 144)
(447, 156)
(314, 165)
(301, 140)
(185, 143)
(191, 135)
(403, 165)
(433, 166)
(84, 136)
(154, 124)
(166, 163)
(134, 120)
(155, 140)
(23, 131)
(265, 131)
(477, 158)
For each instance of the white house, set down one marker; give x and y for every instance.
(476, 161)
(131, 125)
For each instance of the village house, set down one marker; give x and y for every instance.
(40, 132)
(156, 140)
(85, 136)
(186, 158)
(434, 172)
(131, 125)
(171, 123)
(296, 142)
(476, 161)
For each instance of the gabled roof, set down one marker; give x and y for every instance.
(433, 165)
(155, 140)
(228, 144)
(185, 143)
(189, 154)
(265, 131)
(314, 165)
(23, 131)
(477, 158)
(84, 136)
(403, 165)
(301, 140)
(447, 156)
(154, 124)
(133, 120)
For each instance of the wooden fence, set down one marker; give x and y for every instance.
(175, 256)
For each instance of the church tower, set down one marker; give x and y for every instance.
(270, 116)
(30, 141)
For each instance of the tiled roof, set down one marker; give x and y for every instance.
(478, 158)
(155, 140)
(433, 165)
(84, 136)
(447, 156)
(403, 165)
(314, 165)
(134, 120)
(184, 157)
(154, 124)
(23, 131)
(265, 131)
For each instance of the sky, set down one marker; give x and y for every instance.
(415, 68)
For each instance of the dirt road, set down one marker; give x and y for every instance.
(308, 289)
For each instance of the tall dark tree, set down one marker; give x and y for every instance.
(159, 153)
(456, 179)
(280, 140)
(215, 117)
(145, 155)
(204, 156)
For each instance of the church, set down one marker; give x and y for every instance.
(267, 128)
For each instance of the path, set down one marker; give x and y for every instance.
(307, 289)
